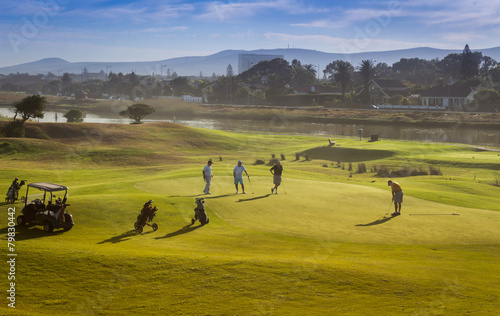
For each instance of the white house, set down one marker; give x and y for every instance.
(448, 97)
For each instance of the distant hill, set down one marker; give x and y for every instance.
(217, 63)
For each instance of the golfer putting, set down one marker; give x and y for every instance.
(238, 176)
(276, 171)
(397, 196)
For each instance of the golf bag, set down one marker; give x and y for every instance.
(13, 192)
(146, 216)
(199, 212)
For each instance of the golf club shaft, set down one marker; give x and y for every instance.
(251, 187)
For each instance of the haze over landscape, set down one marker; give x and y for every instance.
(145, 31)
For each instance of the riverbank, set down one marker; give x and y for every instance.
(167, 109)
(352, 116)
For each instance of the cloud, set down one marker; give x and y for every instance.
(217, 11)
(452, 14)
(138, 12)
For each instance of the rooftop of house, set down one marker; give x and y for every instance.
(447, 91)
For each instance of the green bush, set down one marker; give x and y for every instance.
(74, 116)
(14, 129)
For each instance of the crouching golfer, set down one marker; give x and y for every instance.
(238, 176)
(397, 196)
(277, 171)
(207, 176)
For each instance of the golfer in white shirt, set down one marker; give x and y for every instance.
(238, 176)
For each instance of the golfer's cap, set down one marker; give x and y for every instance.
(239, 161)
(389, 182)
(210, 161)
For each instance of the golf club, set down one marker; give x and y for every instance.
(389, 208)
(251, 187)
(283, 184)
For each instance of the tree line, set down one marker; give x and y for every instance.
(278, 77)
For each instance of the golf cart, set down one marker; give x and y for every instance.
(42, 207)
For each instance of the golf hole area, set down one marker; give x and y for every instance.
(332, 211)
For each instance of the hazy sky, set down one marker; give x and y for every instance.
(150, 30)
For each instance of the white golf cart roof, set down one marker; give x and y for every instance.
(50, 187)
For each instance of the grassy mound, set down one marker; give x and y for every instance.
(323, 245)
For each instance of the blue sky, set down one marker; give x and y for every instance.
(150, 30)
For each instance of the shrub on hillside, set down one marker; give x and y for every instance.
(361, 168)
(384, 171)
(35, 132)
(435, 171)
(13, 129)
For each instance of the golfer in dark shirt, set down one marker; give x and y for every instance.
(277, 171)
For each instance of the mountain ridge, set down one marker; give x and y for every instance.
(217, 63)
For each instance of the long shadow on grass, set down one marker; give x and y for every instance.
(30, 232)
(219, 196)
(207, 197)
(378, 221)
(255, 198)
(119, 238)
(184, 230)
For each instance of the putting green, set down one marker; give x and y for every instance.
(334, 212)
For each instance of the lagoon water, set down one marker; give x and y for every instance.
(457, 133)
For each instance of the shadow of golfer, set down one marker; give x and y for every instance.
(255, 198)
(378, 221)
(119, 238)
(184, 230)
(218, 196)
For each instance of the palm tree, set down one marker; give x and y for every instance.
(367, 70)
(340, 72)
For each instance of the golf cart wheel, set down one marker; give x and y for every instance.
(192, 221)
(138, 229)
(66, 228)
(21, 221)
(155, 226)
(47, 227)
(7, 199)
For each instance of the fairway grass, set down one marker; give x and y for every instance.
(323, 246)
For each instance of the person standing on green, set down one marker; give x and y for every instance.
(397, 196)
(238, 176)
(276, 171)
(207, 176)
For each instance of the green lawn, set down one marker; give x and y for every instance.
(323, 246)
